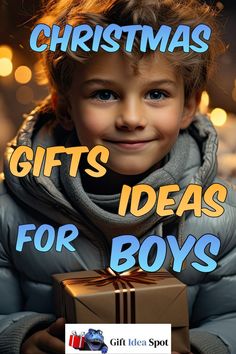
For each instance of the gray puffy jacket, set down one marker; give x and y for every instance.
(25, 277)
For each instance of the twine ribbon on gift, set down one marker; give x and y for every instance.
(122, 283)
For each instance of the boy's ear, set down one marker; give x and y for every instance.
(62, 108)
(190, 109)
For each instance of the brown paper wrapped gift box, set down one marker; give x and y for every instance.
(130, 297)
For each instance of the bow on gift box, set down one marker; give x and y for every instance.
(122, 283)
(136, 275)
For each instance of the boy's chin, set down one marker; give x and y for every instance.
(130, 170)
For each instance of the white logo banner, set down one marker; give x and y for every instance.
(118, 338)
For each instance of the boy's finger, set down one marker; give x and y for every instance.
(52, 345)
(57, 328)
(39, 351)
(34, 350)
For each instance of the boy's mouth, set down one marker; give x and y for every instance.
(130, 144)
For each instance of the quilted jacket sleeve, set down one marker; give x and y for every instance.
(214, 310)
(14, 322)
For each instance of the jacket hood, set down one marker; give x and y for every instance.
(63, 199)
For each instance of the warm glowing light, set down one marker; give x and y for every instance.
(23, 74)
(218, 116)
(24, 95)
(5, 67)
(204, 103)
(5, 52)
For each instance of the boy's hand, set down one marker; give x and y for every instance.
(47, 341)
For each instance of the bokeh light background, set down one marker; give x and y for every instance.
(21, 88)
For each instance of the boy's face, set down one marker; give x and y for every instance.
(136, 115)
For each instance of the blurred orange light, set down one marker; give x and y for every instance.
(204, 103)
(5, 52)
(218, 117)
(5, 67)
(205, 98)
(24, 95)
(23, 74)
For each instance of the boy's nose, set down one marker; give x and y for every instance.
(130, 116)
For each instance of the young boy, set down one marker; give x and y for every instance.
(143, 109)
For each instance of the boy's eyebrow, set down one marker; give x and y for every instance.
(161, 82)
(97, 81)
(110, 82)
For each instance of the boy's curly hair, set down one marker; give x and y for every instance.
(194, 67)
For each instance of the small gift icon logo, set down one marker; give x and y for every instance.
(77, 340)
(93, 340)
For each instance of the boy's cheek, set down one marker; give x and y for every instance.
(93, 120)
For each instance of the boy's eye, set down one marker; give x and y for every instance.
(104, 95)
(156, 95)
